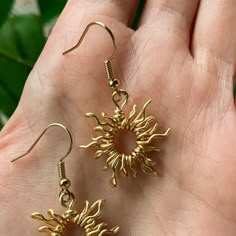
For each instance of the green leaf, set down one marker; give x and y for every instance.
(51, 9)
(7, 103)
(138, 13)
(9, 106)
(21, 41)
(5, 7)
(29, 37)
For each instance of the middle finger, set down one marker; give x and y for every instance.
(175, 17)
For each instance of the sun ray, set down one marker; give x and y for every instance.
(101, 129)
(149, 140)
(113, 180)
(112, 150)
(98, 153)
(132, 165)
(109, 159)
(102, 138)
(142, 135)
(146, 124)
(152, 129)
(115, 160)
(98, 121)
(146, 168)
(106, 145)
(92, 144)
(142, 114)
(151, 149)
(105, 116)
(147, 161)
(131, 115)
(123, 169)
(147, 120)
(164, 134)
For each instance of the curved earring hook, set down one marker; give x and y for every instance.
(40, 136)
(85, 32)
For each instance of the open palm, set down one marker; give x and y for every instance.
(182, 56)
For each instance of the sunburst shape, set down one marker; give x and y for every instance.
(87, 220)
(143, 128)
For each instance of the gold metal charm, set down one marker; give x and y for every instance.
(139, 123)
(87, 219)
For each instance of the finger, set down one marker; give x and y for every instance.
(78, 14)
(215, 33)
(73, 21)
(122, 10)
(171, 16)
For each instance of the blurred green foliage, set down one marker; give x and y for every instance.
(21, 41)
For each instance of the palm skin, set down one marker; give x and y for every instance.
(191, 93)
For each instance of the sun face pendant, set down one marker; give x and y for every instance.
(143, 129)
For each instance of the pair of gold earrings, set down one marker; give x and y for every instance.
(142, 127)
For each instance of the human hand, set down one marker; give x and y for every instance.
(182, 57)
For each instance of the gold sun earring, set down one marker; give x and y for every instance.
(86, 219)
(139, 123)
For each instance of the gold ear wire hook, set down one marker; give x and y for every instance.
(40, 136)
(113, 83)
(85, 32)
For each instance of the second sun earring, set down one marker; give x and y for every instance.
(88, 219)
(139, 123)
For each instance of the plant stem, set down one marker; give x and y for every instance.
(16, 59)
